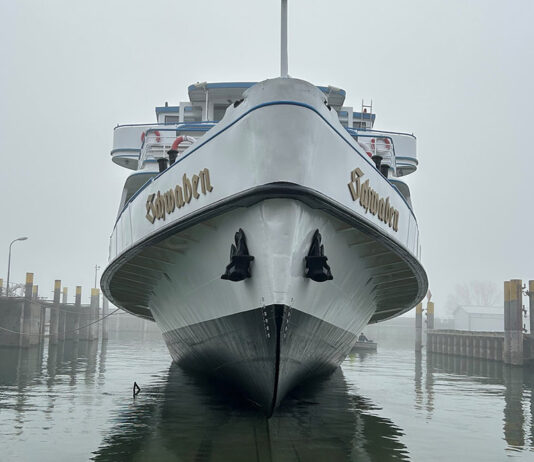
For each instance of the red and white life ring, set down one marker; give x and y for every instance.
(386, 141)
(365, 147)
(180, 140)
(156, 132)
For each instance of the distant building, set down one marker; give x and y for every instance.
(479, 318)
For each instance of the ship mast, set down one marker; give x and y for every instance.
(283, 41)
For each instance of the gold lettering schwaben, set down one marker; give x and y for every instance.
(159, 205)
(371, 201)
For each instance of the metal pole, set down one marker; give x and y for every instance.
(283, 41)
(9, 261)
(8, 268)
(96, 275)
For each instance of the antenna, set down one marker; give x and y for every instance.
(283, 41)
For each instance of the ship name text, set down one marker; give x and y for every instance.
(159, 205)
(371, 201)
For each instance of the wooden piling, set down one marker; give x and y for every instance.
(105, 325)
(42, 314)
(54, 314)
(429, 325)
(71, 317)
(62, 323)
(77, 313)
(419, 327)
(26, 312)
(531, 305)
(506, 349)
(430, 315)
(1, 287)
(513, 322)
(93, 310)
(85, 320)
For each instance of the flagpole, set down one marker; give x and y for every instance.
(283, 41)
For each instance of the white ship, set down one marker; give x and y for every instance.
(264, 226)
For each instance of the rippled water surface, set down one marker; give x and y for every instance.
(74, 402)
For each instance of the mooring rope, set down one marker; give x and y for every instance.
(68, 332)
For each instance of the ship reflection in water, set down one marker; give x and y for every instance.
(187, 420)
(390, 405)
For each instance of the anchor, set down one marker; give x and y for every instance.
(316, 267)
(239, 267)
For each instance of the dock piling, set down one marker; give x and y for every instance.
(419, 327)
(531, 305)
(54, 314)
(93, 316)
(105, 310)
(513, 322)
(26, 313)
(63, 315)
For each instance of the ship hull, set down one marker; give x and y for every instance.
(266, 334)
(254, 352)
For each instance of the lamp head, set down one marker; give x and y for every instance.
(22, 238)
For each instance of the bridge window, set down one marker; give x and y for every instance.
(172, 119)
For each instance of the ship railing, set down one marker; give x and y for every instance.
(382, 145)
(157, 143)
(379, 145)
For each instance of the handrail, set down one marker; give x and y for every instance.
(349, 129)
(384, 138)
(200, 122)
(151, 146)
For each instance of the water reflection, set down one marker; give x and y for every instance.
(85, 387)
(185, 418)
(517, 390)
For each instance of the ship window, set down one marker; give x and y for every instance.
(172, 119)
(193, 114)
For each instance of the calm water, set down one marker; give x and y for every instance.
(74, 402)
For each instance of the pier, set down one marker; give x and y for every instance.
(514, 345)
(26, 321)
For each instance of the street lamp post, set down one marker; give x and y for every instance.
(96, 274)
(9, 261)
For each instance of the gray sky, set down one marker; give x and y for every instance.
(458, 74)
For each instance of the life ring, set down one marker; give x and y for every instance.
(180, 140)
(386, 141)
(156, 132)
(365, 147)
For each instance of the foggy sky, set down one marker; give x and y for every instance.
(458, 74)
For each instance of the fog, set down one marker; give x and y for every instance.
(457, 74)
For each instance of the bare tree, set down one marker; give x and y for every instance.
(474, 293)
(16, 289)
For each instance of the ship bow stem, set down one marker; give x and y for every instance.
(263, 353)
